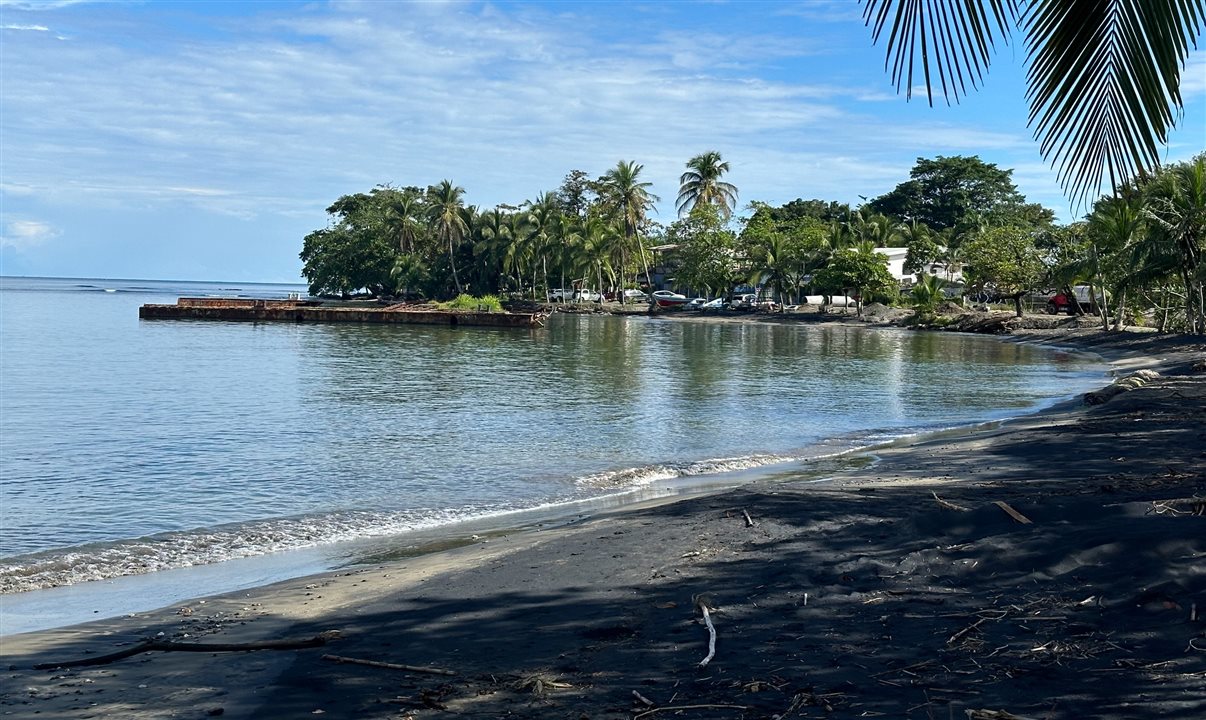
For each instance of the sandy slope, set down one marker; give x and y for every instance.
(864, 598)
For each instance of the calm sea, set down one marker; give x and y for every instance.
(133, 447)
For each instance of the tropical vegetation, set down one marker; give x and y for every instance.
(961, 222)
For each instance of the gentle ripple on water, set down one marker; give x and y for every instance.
(130, 446)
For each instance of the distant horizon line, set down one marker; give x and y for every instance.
(299, 281)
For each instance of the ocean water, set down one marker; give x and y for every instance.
(133, 447)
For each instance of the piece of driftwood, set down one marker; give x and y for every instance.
(702, 602)
(1011, 512)
(152, 645)
(387, 665)
(749, 521)
(670, 708)
(644, 700)
(1180, 506)
(947, 505)
(992, 715)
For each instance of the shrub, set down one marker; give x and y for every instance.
(485, 303)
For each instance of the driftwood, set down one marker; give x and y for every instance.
(992, 715)
(749, 521)
(702, 602)
(1180, 506)
(1011, 512)
(152, 645)
(947, 505)
(670, 708)
(387, 665)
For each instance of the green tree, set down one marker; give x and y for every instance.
(356, 252)
(630, 197)
(1005, 260)
(954, 193)
(707, 249)
(860, 270)
(1104, 76)
(1176, 218)
(701, 184)
(449, 221)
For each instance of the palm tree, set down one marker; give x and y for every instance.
(448, 221)
(701, 185)
(774, 266)
(493, 238)
(403, 219)
(1176, 215)
(633, 200)
(1104, 76)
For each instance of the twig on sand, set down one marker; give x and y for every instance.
(947, 505)
(703, 602)
(687, 707)
(644, 700)
(992, 715)
(954, 638)
(151, 645)
(387, 665)
(749, 521)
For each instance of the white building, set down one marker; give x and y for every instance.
(896, 260)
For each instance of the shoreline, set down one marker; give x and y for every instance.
(582, 601)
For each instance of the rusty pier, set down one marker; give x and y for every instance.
(297, 311)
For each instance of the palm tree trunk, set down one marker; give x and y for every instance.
(1119, 310)
(452, 261)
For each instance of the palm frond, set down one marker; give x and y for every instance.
(953, 39)
(1104, 84)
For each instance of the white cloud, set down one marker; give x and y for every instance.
(25, 234)
(31, 28)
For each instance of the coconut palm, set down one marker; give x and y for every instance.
(631, 197)
(1104, 76)
(403, 218)
(701, 185)
(448, 221)
(493, 237)
(1176, 215)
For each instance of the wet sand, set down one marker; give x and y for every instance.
(899, 590)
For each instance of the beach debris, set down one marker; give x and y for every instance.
(671, 708)
(749, 521)
(1181, 506)
(1011, 512)
(946, 505)
(992, 715)
(1135, 380)
(153, 644)
(539, 685)
(705, 606)
(387, 665)
(642, 699)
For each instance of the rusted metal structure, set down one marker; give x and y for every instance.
(315, 311)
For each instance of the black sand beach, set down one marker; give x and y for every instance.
(1052, 568)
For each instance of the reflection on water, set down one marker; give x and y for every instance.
(113, 429)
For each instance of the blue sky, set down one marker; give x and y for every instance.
(203, 140)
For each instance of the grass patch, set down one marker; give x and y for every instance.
(485, 303)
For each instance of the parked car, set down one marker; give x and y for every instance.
(665, 298)
(745, 301)
(696, 303)
(716, 305)
(561, 295)
(632, 295)
(587, 296)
